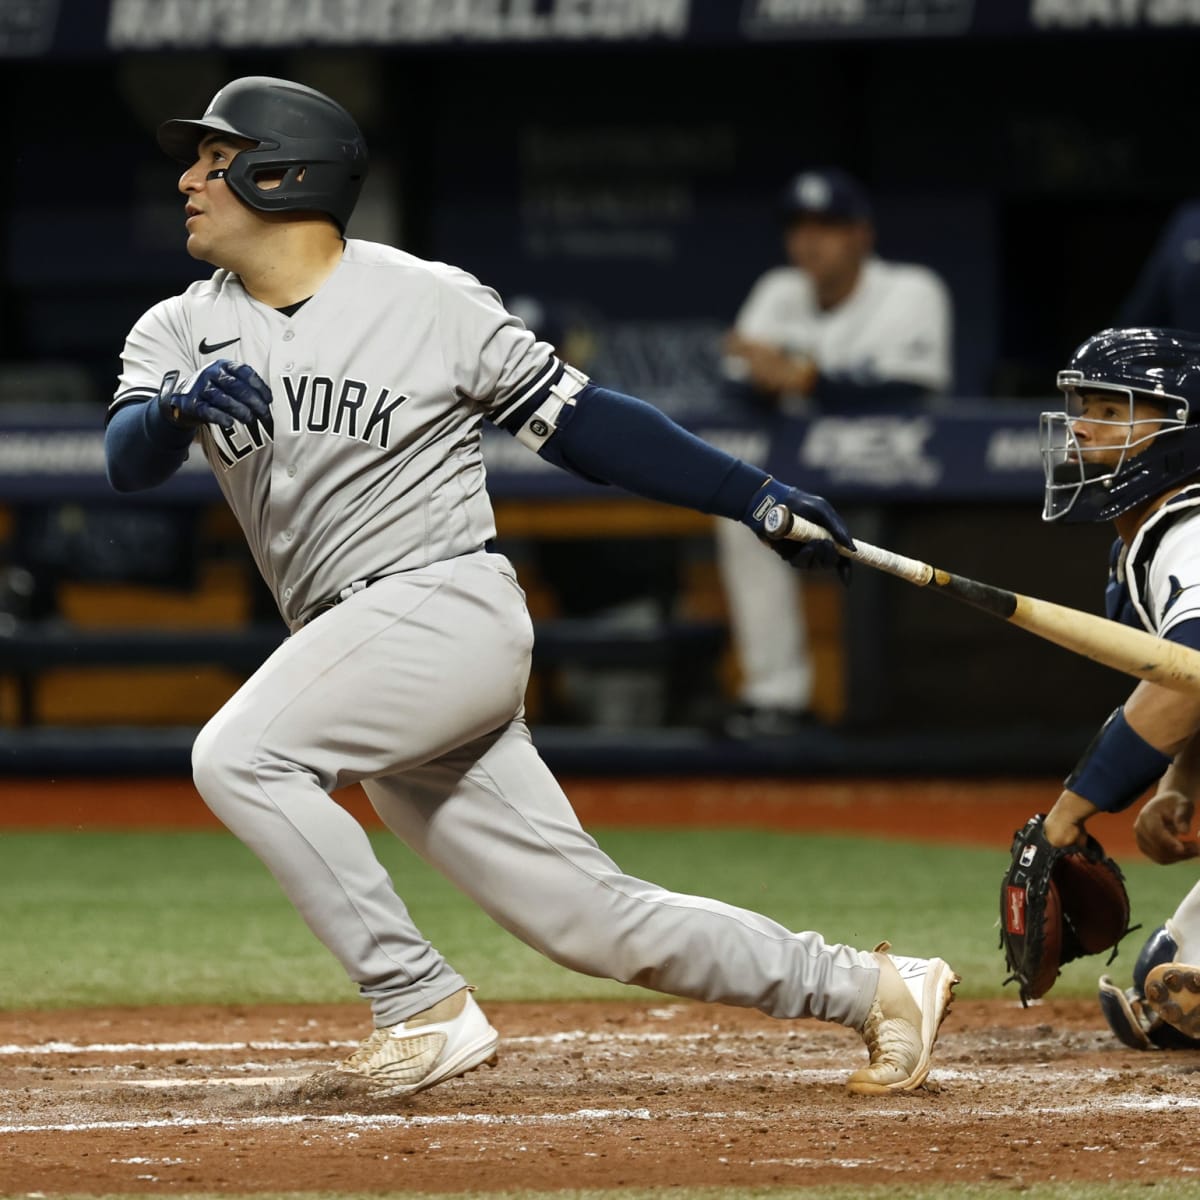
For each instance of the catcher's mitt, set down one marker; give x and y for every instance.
(1057, 903)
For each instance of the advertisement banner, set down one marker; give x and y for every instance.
(48, 28)
(980, 453)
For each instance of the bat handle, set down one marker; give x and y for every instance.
(781, 522)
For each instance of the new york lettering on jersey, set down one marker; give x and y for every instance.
(319, 404)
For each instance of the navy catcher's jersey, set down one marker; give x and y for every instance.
(1154, 582)
(380, 383)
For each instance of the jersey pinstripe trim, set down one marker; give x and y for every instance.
(519, 410)
(134, 395)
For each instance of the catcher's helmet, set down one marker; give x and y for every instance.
(1157, 369)
(300, 132)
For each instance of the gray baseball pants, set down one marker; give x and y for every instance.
(414, 687)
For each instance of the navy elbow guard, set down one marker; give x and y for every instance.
(1117, 767)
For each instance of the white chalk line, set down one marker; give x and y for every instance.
(161, 1047)
(552, 1039)
(867, 1111)
(379, 1120)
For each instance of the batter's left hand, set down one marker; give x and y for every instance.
(222, 393)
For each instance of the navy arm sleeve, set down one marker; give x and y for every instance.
(141, 450)
(613, 438)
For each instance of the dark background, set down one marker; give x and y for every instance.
(1034, 174)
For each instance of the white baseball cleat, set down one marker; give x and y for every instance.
(912, 1000)
(447, 1040)
(1173, 990)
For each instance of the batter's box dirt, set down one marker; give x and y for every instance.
(596, 1095)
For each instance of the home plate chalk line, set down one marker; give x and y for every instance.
(1137, 1103)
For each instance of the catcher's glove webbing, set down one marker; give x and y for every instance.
(1057, 903)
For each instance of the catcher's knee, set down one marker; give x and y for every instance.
(1160, 947)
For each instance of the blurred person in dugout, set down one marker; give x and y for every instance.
(836, 330)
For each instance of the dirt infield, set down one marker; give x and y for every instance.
(170, 1100)
(596, 1095)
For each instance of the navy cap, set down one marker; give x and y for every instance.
(827, 192)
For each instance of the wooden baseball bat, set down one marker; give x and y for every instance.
(1134, 651)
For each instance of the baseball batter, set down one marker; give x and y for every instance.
(1126, 448)
(337, 389)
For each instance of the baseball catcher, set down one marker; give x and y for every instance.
(1125, 448)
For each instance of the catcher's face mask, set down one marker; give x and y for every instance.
(1091, 449)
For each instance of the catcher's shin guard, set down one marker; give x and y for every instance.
(1126, 1014)
(1160, 947)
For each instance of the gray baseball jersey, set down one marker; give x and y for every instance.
(413, 686)
(379, 384)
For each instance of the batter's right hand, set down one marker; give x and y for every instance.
(803, 555)
(221, 394)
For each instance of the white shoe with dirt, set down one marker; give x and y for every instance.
(912, 1000)
(449, 1039)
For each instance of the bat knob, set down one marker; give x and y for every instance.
(778, 521)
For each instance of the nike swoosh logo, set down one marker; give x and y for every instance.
(205, 348)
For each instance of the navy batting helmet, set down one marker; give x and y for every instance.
(299, 133)
(1130, 427)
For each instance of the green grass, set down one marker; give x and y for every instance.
(172, 918)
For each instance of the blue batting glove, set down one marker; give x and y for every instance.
(222, 394)
(802, 555)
